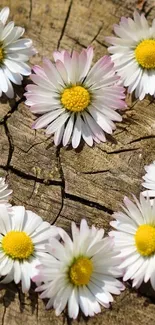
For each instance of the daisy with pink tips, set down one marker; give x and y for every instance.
(133, 53)
(74, 100)
(14, 54)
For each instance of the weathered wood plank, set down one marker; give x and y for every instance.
(63, 184)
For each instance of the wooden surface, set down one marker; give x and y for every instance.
(62, 184)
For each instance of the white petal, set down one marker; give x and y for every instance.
(86, 134)
(9, 278)
(21, 44)
(4, 14)
(59, 121)
(18, 67)
(102, 121)
(56, 249)
(7, 267)
(47, 118)
(25, 278)
(98, 293)
(150, 269)
(76, 137)
(17, 271)
(16, 33)
(3, 81)
(68, 130)
(73, 305)
(5, 220)
(7, 30)
(61, 299)
(10, 92)
(52, 73)
(14, 77)
(61, 68)
(58, 135)
(95, 128)
(19, 214)
(33, 221)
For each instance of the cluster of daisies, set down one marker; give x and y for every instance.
(81, 272)
(76, 101)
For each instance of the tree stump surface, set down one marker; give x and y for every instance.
(61, 184)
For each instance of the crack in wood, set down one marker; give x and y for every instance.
(118, 151)
(31, 177)
(7, 132)
(95, 172)
(62, 183)
(33, 145)
(98, 32)
(30, 12)
(12, 110)
(11, 145)
(102, 44)
(149, 11)
(65, 24)
(88, 203)
(142, 138)
(77, 42)
(3, 316)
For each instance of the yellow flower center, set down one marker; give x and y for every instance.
(145, 54)
(145, 240)
(80, 271)
(75, 98)
(1, 55)
(17, 245)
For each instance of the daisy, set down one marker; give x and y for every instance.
(149, 179)
(76, 101)
(4, 192)
(133, 53)
(81, 272)
(135, 239)
(23, 236)
(14, 53)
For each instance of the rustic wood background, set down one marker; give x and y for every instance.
(62, 184)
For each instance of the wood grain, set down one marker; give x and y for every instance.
(62, 184)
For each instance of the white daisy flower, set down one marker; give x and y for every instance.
(23, 236)
(14, 53)
(4, 191)
(135, 239)
(81, 272)
(133, 53)
(74, 100)
(149, 179)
